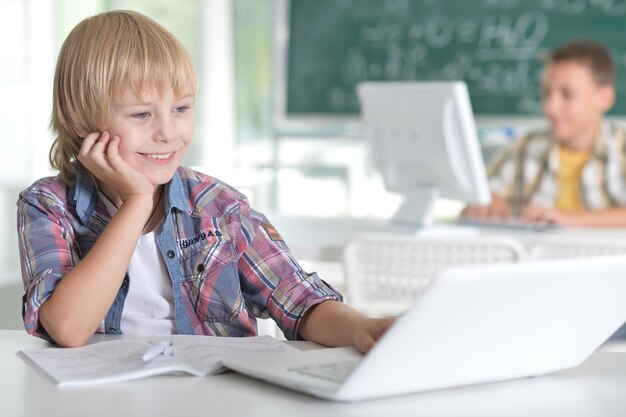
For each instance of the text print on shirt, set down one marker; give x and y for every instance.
(185, 243)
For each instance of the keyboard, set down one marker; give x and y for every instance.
(334, 372)
(511, 223)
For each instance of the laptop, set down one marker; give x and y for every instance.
(473, 325)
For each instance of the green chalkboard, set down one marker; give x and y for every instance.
(494, 45)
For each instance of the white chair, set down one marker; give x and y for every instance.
(384, 273)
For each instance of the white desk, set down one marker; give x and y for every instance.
(323, 239)
(596, 389)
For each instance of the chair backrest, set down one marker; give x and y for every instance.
(560, 247)
(385, 273)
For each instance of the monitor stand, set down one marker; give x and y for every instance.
(417, 208)
(415, 215)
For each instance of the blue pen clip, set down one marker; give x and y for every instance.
(162, 348)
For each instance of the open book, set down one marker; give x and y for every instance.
(136, 357)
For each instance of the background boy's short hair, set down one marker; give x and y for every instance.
(587, 52)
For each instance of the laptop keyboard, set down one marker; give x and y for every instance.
(511, 223)
(333, 372)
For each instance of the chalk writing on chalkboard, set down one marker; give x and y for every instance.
(494, 45)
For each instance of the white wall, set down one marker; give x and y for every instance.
(26, 68)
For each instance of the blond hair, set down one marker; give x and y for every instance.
(100, 58)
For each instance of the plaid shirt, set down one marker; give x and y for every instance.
(226, 262)
(526, 172)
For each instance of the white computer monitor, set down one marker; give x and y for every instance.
(423, 138)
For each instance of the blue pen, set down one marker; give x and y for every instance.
(162, 348)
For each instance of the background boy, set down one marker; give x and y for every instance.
(575, 173)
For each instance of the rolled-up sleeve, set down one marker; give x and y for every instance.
(46, 252)
(272, 281)
(501, 173)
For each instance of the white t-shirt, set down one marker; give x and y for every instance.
(149, 304)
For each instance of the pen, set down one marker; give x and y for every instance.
(162, 348)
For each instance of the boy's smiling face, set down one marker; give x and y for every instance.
(574, 103)
(155, 131)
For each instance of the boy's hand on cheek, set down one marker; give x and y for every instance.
(99, 154)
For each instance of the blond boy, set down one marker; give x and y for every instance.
(125, 239)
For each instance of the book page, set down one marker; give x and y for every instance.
(99, 363)
(121, 360)
(207, 353)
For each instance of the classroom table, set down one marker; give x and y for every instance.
(322, 240)
(595, 388)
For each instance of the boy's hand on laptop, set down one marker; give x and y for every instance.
(333, 323)
(99, 154)
(368, 331)
(498, 208)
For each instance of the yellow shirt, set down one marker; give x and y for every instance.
(571, 165)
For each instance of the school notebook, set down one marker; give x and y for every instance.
(134, 357)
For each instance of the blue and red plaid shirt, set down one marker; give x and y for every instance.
(227, 264)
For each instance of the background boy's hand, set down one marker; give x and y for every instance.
(542, 214)
(99, 154)
(498, 208)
